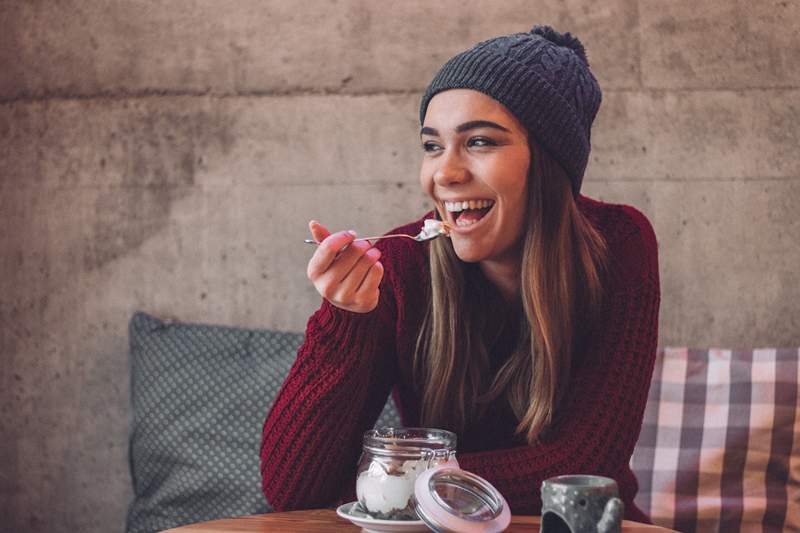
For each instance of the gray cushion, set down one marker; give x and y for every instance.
(200, 394)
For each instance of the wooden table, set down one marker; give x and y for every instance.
(326, 521)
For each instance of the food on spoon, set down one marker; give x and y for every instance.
(432, 227)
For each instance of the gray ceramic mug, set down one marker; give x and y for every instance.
(581, 504)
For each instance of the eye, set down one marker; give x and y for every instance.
(481, 141)
(429, 146)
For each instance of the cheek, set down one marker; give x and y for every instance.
(512, 185)
(516, 196)
(426, 181)
(520, 219)
(521, 204)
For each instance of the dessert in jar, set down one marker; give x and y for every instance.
(391, 461)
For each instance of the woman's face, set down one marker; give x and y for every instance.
(476, 151)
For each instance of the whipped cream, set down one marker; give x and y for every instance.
(386, 494)
(432, 227)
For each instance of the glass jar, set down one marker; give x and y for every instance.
(391, 461)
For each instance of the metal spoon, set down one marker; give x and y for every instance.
(422, 236)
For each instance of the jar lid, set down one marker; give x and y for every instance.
(449, 499)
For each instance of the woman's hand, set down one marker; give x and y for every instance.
(345, 273)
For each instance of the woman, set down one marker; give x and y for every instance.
(530, 331)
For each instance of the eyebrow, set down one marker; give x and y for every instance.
(471, 125)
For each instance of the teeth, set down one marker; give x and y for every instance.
(467, 204)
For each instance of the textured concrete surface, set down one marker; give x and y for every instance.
(167, 156)
(190, 46)
(698, 135)
(728, 257)
(737, 43)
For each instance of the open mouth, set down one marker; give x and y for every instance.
(467, 213)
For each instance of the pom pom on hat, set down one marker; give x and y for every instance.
(562, 39)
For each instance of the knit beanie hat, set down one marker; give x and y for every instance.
(542, 77)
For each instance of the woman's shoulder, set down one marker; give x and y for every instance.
(629, 237)
(617, 222)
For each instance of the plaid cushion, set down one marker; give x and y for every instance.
(717, 447)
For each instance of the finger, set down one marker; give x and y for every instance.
(372, 281)
(355, 277)
(348, 293)
(351, 258)
(318, 231)
(330, 280)
(328, 251)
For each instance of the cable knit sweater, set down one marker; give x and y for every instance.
(350, 363)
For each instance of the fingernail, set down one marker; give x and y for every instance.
(312, 222)
(352, 232)
(374, 253)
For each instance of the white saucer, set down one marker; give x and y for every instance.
(352, 512)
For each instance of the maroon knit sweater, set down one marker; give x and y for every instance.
(350, 363)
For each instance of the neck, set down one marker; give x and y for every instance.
(505, 275)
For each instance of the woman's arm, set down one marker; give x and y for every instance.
(603, 408)
(333, 393)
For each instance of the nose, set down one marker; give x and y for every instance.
(451, 170)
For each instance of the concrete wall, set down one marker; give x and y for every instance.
(166, 157)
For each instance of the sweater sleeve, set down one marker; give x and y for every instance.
(335, 391)
(601, 416)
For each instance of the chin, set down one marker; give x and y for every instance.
(468, 254)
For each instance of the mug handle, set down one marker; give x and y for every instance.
(611, 521)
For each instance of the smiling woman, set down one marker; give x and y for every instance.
(476, 151)
(542, 255)
(530, 332)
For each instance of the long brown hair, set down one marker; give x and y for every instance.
(563, 257)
